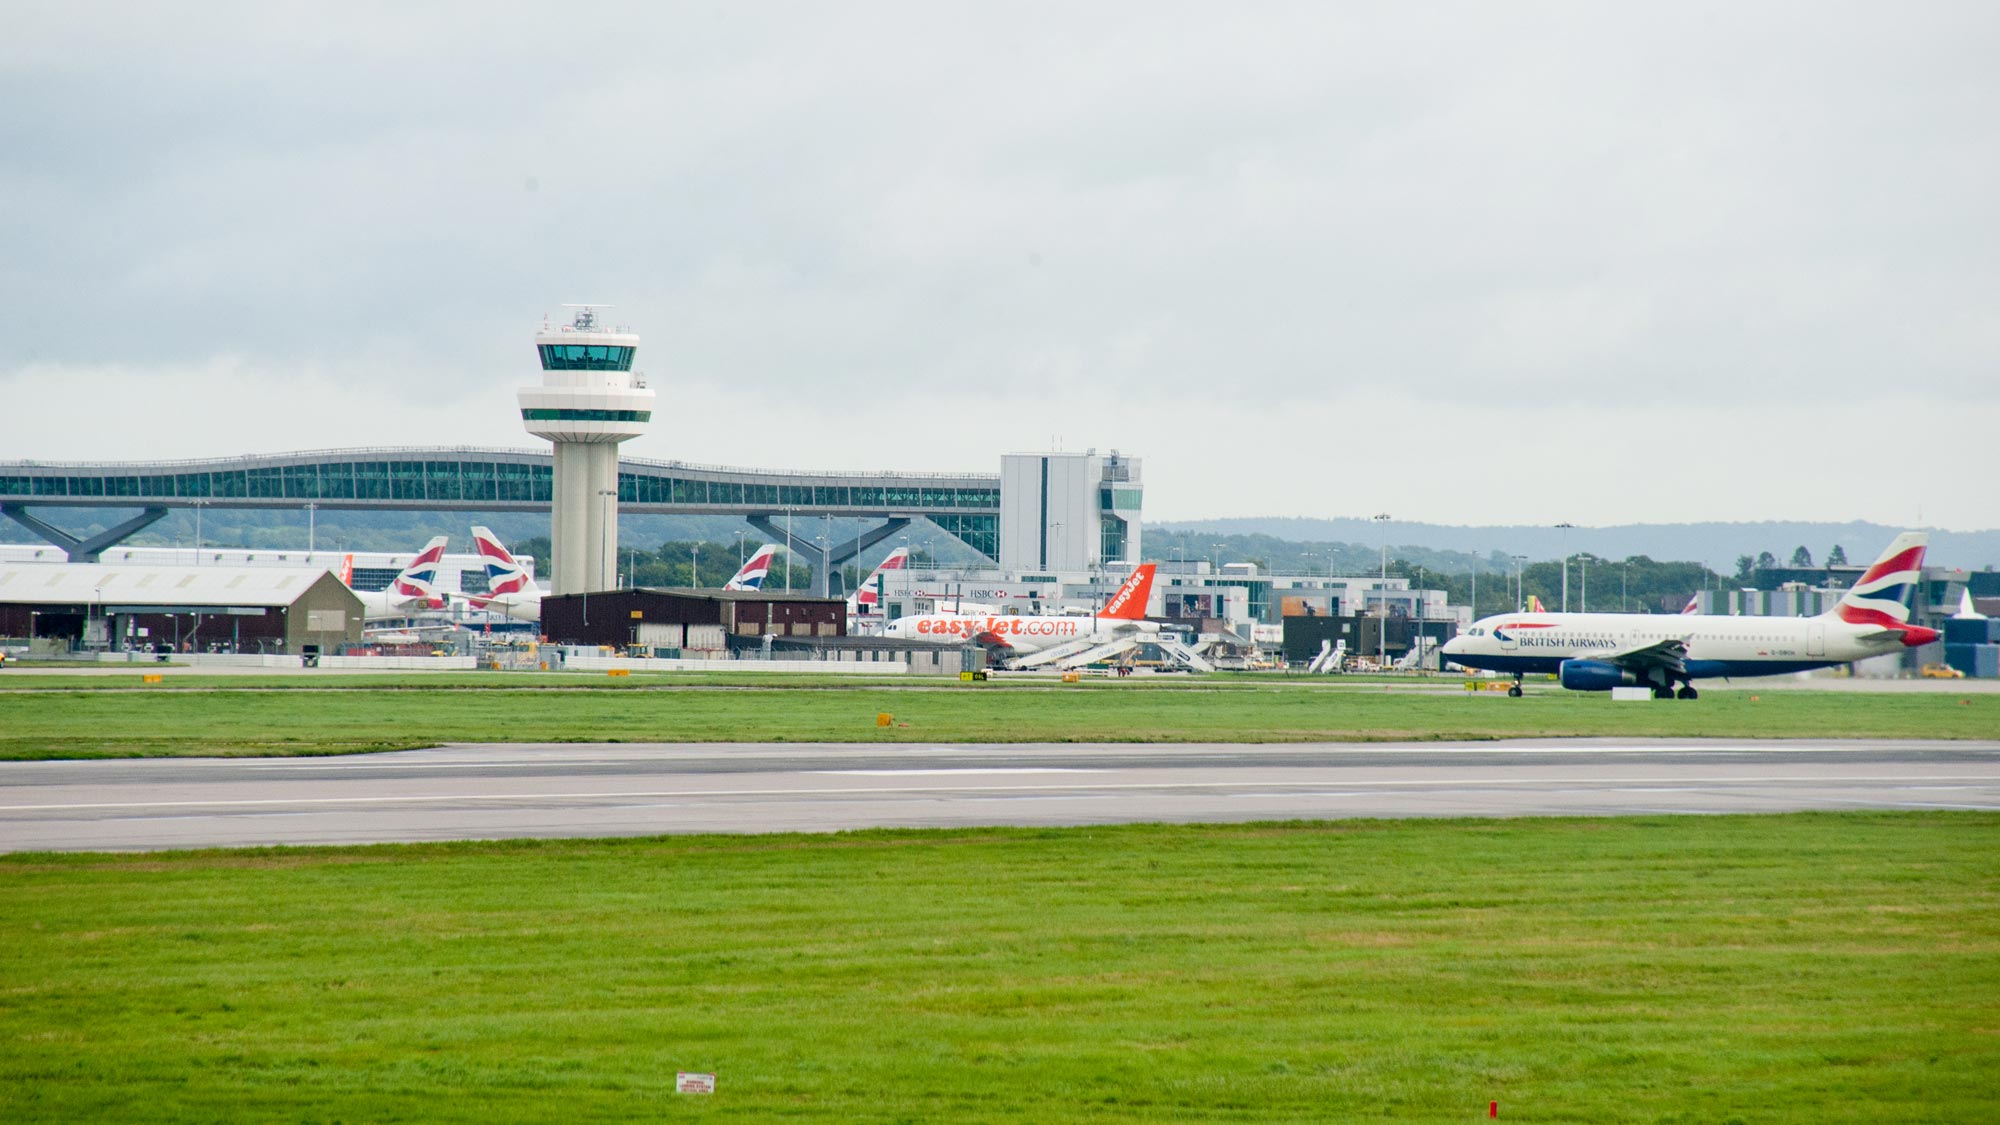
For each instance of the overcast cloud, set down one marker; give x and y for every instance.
(1485, 263)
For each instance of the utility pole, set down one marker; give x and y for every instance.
(1382, 627)
(1564, 528)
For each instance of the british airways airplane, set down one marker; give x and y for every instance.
(1601, 651)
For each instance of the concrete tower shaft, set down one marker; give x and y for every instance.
(589, 401)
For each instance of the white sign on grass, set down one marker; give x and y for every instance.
(686, 1083)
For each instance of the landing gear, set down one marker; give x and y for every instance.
(1515, 691)
(1687, 692)
(1662, 691)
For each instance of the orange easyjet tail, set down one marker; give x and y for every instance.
(1129, 603)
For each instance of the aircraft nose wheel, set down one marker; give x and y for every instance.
(1515, 691)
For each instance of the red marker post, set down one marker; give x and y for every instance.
(1492, 1109)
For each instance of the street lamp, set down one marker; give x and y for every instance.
(739, 549)
(1564, 528)
(1520, 595)
(1382, 594)
(603, 547)
(694, 565)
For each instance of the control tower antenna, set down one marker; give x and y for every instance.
(588, 402)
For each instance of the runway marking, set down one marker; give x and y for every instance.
(946, 771)
(1606, 784)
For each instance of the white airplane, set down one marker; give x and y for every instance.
(1601, 651)
(1024, 641)
(514, 595)
(413, 591)
(868, 596)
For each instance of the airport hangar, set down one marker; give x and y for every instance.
(180, 608)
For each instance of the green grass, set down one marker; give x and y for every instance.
(317, 717)
(1809, 968)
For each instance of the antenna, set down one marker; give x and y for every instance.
(586, 315)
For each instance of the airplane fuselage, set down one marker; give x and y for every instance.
(1020, 634)
(514, 607)
(388, 605)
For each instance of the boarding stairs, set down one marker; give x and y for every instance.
(1191, 657)
(1331, 656)
(1054, 653)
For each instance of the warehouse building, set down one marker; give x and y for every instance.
(687, 622)
(63, 606)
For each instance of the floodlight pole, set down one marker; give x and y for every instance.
(1564, 528)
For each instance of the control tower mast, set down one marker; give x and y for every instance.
(588, 402)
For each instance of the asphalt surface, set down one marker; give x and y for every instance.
(572, 790)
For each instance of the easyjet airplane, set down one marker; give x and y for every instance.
(1013, 636)
(1600, 651)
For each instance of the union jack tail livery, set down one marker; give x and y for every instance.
(751, 577)
(419, 579)
(1882, 596)
(504, 575)
(868, 598)
(1129, 603)
(1693, 606)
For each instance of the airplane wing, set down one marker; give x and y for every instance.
(1669, 653)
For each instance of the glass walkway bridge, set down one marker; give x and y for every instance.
(963, 505)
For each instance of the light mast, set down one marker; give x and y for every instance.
(588, 402)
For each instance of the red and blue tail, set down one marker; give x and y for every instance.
(868, 598)
(751, 577)
(1882, 597)
(419, 579)
(504, 573)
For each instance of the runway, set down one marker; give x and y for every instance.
(581, 790)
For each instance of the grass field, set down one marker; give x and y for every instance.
(1807, 968)
(58, 718)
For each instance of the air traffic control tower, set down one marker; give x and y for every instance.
(588, 402)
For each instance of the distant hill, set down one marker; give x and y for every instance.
(1716, 544)
(1337, 545)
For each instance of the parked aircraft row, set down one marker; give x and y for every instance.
(511, 591)
(1586, 651)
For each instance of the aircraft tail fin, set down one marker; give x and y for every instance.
(504, 573)
(868, 598)
(751, 576)
(1129, 603)
(1882, 596)
(1693, 606)
(1535, 604)
(419, 579)
(347, 571)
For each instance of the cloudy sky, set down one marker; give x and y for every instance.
(1490, 263)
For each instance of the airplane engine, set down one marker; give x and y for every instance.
(1595, 675)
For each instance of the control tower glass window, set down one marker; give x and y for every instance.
(585, 357)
